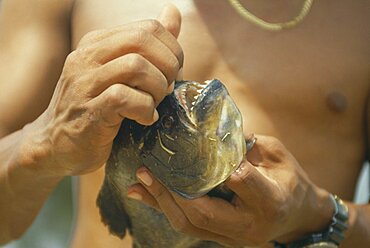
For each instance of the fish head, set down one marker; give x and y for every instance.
(198, 140)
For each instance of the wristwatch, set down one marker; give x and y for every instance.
(331, 237)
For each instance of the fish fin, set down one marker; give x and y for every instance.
(112, 211)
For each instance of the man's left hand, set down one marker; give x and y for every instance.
(274, 200)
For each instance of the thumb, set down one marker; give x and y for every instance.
(170, 18)
(248, 183)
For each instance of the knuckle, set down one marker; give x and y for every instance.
(140, 37)
(273, 148)
(158, 194)
(93, 83)
(90, 37)
(72, 58)
(173, 68)
(146, 105)
(154, 26)
(273, 141)
(114, 96)
(72, 66)
(277, 150)
(200, 218)
(161, 84)
(149, 105)
(135, 62)
(82, 56)
(145, 109)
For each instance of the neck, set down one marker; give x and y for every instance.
(274, 11)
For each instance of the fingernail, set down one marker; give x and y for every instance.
(134, 195)
(145, 177)
(250, 141)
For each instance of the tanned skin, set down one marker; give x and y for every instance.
(309, 87)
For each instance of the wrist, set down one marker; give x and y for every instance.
(322, 210)
(34, 151)
(314, 215)
(330, 236)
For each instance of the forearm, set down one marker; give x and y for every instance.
(26, 180)
(358, 233)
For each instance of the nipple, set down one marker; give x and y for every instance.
(336, 101)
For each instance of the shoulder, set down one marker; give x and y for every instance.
(20, 19)
(29, 12)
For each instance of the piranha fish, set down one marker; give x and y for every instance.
(196, 144)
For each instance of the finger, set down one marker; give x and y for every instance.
(267, 151)
(178, 78)
(138, 41)
(170, 88)
(98, 35)
(121, 101)
(170, 18)
(163, 197)
(133, 70)
(215, 215)
(153, 27)
(139, 193)
(249, 184)
(173, 212)
(148, 38)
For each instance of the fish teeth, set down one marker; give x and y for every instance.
(196, 97)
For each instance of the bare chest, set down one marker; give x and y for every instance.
(309, 86)
(325, 60)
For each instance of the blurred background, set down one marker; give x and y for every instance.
(52, 228)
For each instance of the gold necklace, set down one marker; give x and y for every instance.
(243, 12)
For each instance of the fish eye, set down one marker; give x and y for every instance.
(167, 121)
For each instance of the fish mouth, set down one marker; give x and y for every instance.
(191, 93)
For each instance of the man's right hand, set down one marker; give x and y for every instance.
(117, 73)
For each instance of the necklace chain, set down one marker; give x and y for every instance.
(243, 12)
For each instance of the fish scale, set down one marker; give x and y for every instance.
(183, 153)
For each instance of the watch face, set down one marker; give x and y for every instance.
(322, 245)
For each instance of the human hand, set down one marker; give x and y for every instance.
(274, 200)
(116, 73)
